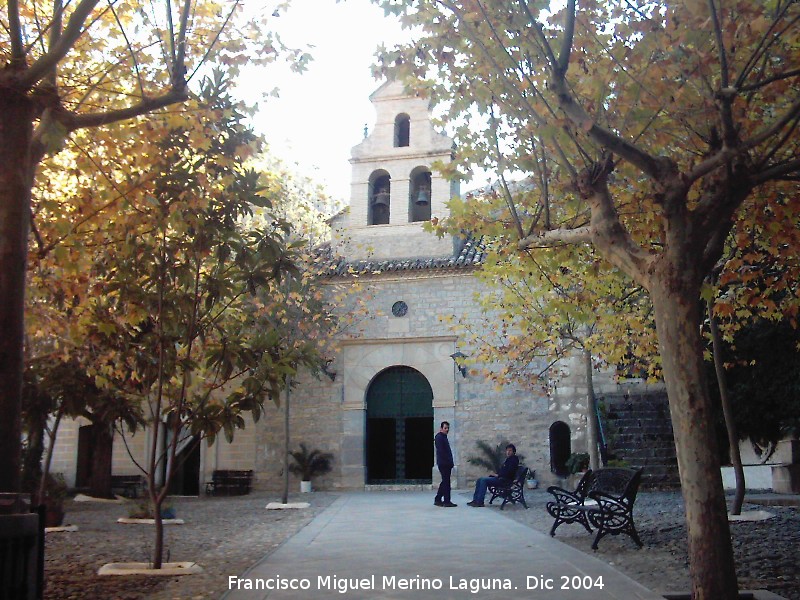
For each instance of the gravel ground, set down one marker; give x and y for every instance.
(766, 552)
(228, 535)
(225, 535)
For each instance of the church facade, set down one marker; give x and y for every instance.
(396, 375)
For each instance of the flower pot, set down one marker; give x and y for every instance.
(53, 517)
(305, 487)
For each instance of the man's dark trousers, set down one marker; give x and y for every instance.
(444, 487)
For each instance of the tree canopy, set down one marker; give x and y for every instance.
(70, 70)
(650, 131)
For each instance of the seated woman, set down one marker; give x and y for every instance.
(503, 477)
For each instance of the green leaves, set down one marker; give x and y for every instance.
(53, 136)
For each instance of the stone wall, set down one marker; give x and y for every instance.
(315, 419)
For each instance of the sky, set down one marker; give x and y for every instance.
(320, 114)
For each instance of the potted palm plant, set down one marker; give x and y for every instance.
(53, 496)
(491, 457)
(578, 462)
(309, 464)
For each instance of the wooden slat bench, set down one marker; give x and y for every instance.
(513, 492)
(128, 485)
(229, 482)
(604, 499)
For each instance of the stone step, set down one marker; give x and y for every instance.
(639, 430)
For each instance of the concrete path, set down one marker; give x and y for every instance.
(399, 545)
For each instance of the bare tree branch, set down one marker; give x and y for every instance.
(130, 49)
(792, 113)
(764, 82)
(556, 237)
(213, 42)
(73, 121)
(179, 68)
(649, 165)
(761, 51)
(66, 41)
(569, 34)
(778, 172)
(15, 33)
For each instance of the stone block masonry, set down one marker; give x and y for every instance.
(639, 431)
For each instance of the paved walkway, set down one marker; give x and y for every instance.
(399, 545)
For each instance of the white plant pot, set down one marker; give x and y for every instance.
(305, 487)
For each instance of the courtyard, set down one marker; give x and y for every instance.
(226, 536)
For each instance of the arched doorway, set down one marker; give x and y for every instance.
(399, 427)
(560, 448)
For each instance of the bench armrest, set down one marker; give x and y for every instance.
(564, 496)
(606, 498)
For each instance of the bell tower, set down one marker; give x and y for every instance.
(394, 189)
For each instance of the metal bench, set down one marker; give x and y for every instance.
(229, 482)
(128, 485)
(512, 492)
(21, 548)
(604, 499)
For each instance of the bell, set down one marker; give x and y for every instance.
(381, 198)
(423, 198)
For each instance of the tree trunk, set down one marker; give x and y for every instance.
(32, 465)
(170, 455)
(676, 300)
(158, 549)
(16, 131)
(591, 414)
(51, 444)
(285, 497)
(727, 411)
(102, 453)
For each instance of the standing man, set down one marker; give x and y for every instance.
(506, 475)
(444, 460)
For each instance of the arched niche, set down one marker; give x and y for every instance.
(560, 448)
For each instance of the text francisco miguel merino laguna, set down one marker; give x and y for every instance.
(392, 582)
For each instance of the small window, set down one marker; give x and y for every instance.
(402, 130)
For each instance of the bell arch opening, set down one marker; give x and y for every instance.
(379, 191)
(402, 130)
(399, 433)
(419, 200)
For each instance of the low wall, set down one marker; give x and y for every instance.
(756, 477)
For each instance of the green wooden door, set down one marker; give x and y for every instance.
(399, 427)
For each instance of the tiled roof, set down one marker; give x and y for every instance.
(471, 255)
